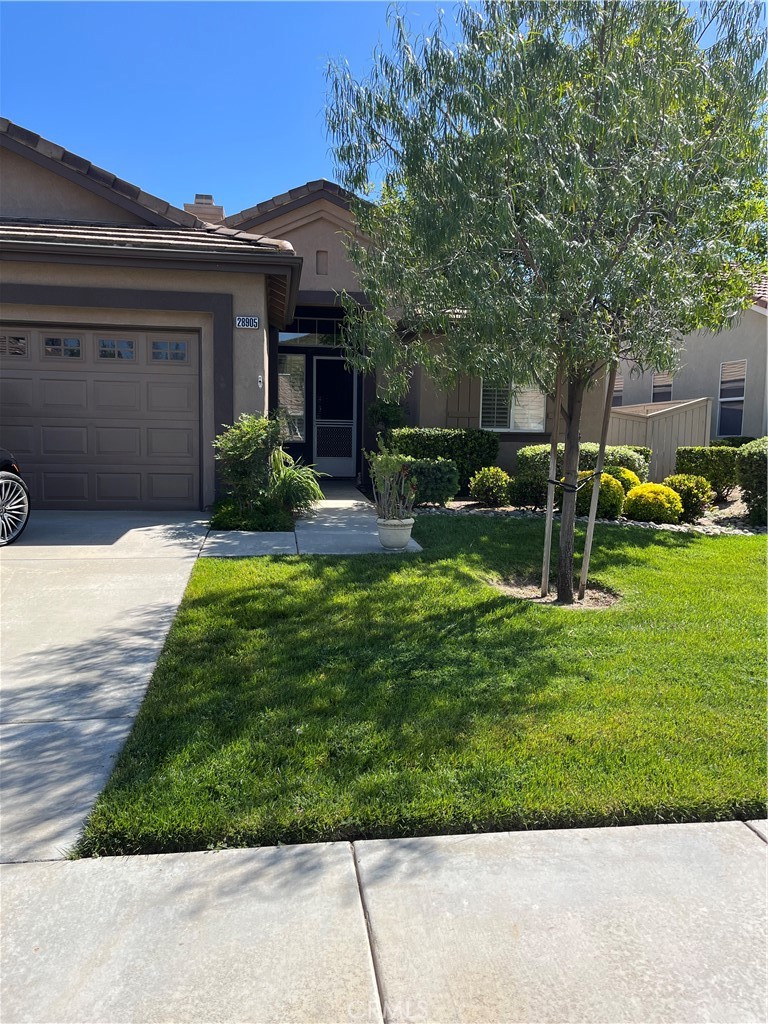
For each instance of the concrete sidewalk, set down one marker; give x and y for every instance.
(344, 523)
(646, 924)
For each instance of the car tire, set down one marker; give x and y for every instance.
(14, 507)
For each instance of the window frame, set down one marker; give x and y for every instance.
(303, 357)
(169, 359)
(665, 373)
(52, 354)
(510, 428)
(731, 401)
(132, 359)
(7, 335)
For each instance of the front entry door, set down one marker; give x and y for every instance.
(335, 390)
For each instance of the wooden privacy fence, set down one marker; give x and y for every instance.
(664, 427)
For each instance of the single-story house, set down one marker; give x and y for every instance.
(132, 331)
(729, 368)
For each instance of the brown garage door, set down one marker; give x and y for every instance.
(102, 418)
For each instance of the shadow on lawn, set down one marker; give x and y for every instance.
(313, 698)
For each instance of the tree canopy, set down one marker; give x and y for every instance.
(568, 184)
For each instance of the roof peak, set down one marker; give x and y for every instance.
(98, 180)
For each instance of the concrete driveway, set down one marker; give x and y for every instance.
(87, 601)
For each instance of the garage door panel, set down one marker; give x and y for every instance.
(17, 393)
(123, 441)
(70, 394)
(118, 487)
(168, 441)
(171, 398)
(113, 394)
(97, 433)
(19, 439)
(65, 487)
(174, 487)
(64, 440)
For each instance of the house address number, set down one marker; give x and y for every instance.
(251, 322)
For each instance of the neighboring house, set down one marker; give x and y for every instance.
(729, 368)
(132, 331)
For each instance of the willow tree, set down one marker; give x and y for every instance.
(562, 187)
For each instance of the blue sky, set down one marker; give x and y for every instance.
(185, 97)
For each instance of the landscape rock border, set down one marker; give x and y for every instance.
(709, 529)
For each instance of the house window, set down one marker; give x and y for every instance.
(291, 394)
(661, 389)
(733, 378)
(618, 391)
(116, 349)
(501, 409)
(13, 345)
(321, 262)
(62, 348)
(169, 351)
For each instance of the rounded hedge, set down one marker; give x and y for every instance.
(752, 468)
(718, 465)
(530, 486)
(490, 486)
(695, 494)
(653, 503)
(609, 501)
(470, 449)
(625, 476)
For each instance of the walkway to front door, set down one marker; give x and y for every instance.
(343, 524)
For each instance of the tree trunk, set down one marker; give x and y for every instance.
(596, 482)
(550, 486)
(571, 474)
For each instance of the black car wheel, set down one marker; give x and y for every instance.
(14, 507)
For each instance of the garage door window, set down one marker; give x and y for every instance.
(62, 348)
(13, 345)
(169, 351)
(116, 349)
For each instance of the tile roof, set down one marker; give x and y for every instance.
(204, 239)
(761, 294)
(298, 196)
(98, 177)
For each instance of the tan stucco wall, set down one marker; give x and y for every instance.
(320, 225)
(30, 191)
(699, 373)
(429, 406)
(250, 346)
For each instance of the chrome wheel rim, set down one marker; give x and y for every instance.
(14, 509)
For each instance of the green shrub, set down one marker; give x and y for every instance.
(530, 486)
(625, 476)
(383, 417)
(266, 514)
(695, 494)
(394, 484)
(752, 466)
(469, 449)
(243, 452)
(731, 442)
(490, 486)
(653, 503)
(718, 465)
(293, 485)
(610, 500)
(437, 480)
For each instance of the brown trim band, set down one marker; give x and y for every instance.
(289, 267)
(326, 297)
(218, 305)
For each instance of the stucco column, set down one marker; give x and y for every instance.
(249, 350)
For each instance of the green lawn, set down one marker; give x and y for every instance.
(300, 699)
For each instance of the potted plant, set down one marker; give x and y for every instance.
(394, 492)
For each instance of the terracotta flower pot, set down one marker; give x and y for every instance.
(394, 534)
